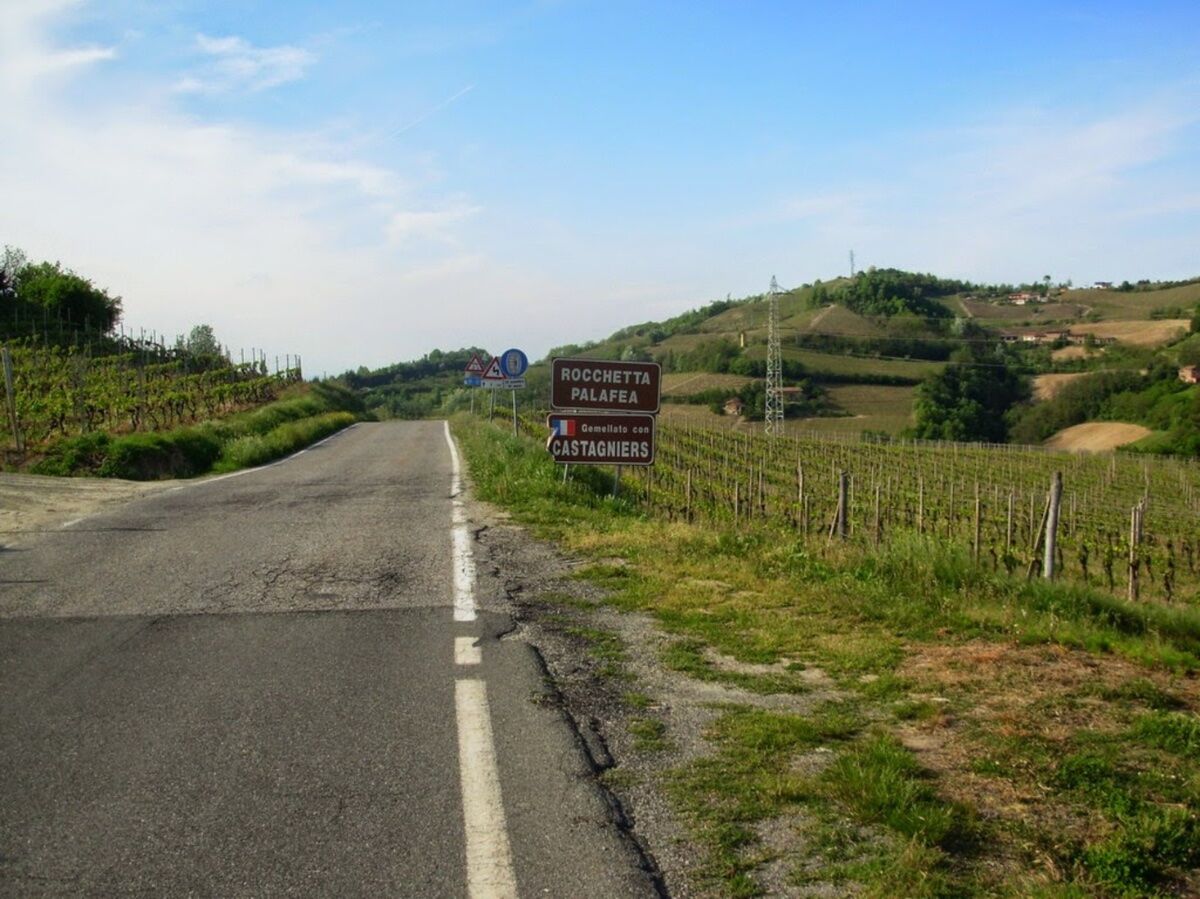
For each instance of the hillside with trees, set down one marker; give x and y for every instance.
(895, 353)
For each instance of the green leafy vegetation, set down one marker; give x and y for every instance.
(51, 302)
(892, 292)
(252, 438)
(413, 389)
(971, 398)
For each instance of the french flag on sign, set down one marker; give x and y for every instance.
(563, 427)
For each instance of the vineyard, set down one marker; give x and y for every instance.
(1128, 524)
(62, 392)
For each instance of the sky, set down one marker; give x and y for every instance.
(361, 183)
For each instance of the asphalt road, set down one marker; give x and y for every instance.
(259, 685)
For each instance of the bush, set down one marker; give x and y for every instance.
(183, 453)
(256, 449)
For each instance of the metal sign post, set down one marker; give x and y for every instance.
(471, 376)
(513, 364)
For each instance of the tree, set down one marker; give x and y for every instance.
(201, 341)
(969, 400)
(66, 296)
(11, 262)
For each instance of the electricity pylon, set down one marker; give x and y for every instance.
(774, 404)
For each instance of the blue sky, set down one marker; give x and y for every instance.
(363, 182)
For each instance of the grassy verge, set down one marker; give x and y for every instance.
(994, 735)
(249, 438)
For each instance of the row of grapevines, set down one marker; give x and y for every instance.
(65, 391)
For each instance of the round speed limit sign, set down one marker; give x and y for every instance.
(513, 363)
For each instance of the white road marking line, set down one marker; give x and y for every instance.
(455, 466)
(71, 523)
(460, 540)
(489, 858)
(466, 652)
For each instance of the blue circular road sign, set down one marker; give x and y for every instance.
(513, 363)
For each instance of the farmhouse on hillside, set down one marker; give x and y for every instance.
(734, 406)
(1190, 374)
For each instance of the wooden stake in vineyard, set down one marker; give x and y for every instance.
(1009, 531)
(839, 516)
(878, 529)
(1056, 488)
(687, 497)
(1135, 538)
(975, 529)
(10, 399)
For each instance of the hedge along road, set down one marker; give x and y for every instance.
(288, 680)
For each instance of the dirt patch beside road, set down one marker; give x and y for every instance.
(31, 503)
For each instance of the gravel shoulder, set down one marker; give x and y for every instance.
(31, 504)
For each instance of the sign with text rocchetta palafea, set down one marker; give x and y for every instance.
(601, 438)
(604, 386)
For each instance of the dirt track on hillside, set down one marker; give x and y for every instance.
(1137, 333)
(1096, 436)
(1046, 387)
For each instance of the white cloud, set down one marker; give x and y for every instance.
(25, 56)
(428, 224)
(236, 64)
(278, 239)
(1028, 191)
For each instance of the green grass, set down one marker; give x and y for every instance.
(1175, 732)
(688, 656)
(879, 781)
(605, 647)
(649, 734)
(747, 780)
(760, 595)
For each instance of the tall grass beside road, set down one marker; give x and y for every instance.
(965, 708)
(304, 415)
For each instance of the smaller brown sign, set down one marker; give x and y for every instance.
(603, 385)
(591, 439)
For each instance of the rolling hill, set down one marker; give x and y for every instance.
(862, 345)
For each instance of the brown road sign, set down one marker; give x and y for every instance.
(605, 386)
(591, 439)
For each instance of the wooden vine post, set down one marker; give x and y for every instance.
(10, 400)
(1135, 538)
(976, 528)
(843, 496)
(1056, 489)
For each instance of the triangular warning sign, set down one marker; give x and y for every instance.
(475, 366)
(493, 372)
